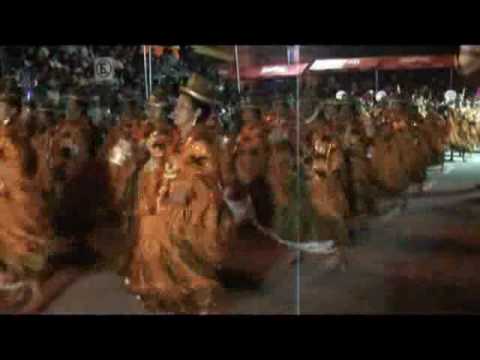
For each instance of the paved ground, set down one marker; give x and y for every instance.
(424, 260)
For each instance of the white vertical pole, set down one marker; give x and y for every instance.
(150, 67)
(296, 60)
(238, 69)
(145, 68)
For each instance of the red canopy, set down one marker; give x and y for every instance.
(385, 63)
(270, 71)
(358, 64)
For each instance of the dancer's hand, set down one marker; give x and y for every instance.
(242, 209)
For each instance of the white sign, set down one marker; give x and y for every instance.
(104, 69)
(274, 69)
(333, 64)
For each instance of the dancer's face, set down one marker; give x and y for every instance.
(183, 114)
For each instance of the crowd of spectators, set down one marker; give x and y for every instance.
(58, 70)
(54, 71)
(430, 82)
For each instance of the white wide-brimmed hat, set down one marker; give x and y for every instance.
(450, 95)
(380, 95)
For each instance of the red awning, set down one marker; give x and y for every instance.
(385, 63)
(270, 71)
(346, 64)
(357, 64)
(417, 62)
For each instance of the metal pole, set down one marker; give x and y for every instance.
(238, 69)
(145, 68)
(296, 60)
(376, 81)
(150, 67)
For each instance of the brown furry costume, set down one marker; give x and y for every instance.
(458, 132)
(73, 188)
(407, 139)
(361, 190)
(422, 149)
(150, 181)
(434, 128)
(191, 227)
(327, 188)
(120, 158)
(41, 144)
(454, 138)
(25, 232)
(386, 162)
(280, 166)
(151, 175)
(261, 170)
(252, 152)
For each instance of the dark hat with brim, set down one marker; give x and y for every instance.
(200, 89)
